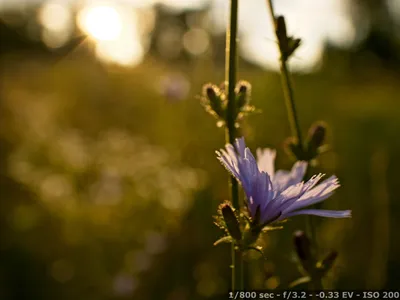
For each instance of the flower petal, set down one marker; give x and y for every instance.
(240, 146)
(313, 181)
(298, 171)
(280, 194)
(283, 179)
(319, 212)
(232, 153)
(317, 194)
(259, 193)
(290, 196)
(266, 160)
(248, 170)
(229, 163)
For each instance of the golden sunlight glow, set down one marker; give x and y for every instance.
(122, 52)
(196, 41)
(57, 24)
(55, 39)
(101, 22)
(55, 16)
(316, 22)
(114, 30)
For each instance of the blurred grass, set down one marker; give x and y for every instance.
(130, 162)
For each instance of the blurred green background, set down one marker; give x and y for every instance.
(108, 175)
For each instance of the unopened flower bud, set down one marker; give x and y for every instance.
(293, 148)
(243, 91)
(316, 134)
(213, 99)
(302, 245)
(281, 32)
(232, 223)
(327, 263)
(287, 44)
(293, 44)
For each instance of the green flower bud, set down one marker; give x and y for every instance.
(281, 32)
(243, 92)
(232, 223)
(315, 139)
(302, 245)
(287, 44)
(317, 134)
(212, 99)
(293, 44)
(293, 148)
(327, 263)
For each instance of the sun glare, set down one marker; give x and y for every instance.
(57, 23)
(114, 31)
(101, 22)
(316, 22)
(55, 16)
(124, 53)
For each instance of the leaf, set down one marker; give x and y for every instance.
(271, 228)
(219, 222)
(282, 221)
(224, 239)
(302, 280)
(293, 44)
(259, 250)
(246, 218)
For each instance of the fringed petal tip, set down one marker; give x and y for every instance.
(348, 214)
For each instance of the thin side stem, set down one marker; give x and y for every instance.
(290, 104)
(316, 285)
(310, 224)
(230, 81)
(316, 281)
(287, 88)
(294, 123)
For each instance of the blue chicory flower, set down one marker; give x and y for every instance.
(281, 194)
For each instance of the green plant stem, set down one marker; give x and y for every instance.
(316, 285)
(287, 88)
(294, 125)
(316, 281)
(310, 224)
(230, 78)
(290, 104)
(230, 82)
